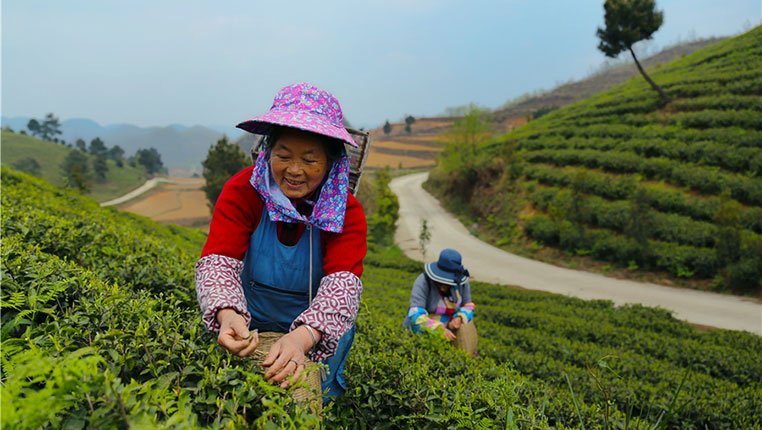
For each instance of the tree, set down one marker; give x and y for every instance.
(150, 159)
(46, 129)
(461, 142)
(33, 126)
(76, 172)
(27, 165)
(116, 153)
(100, 166)
(628, 22)
(97, 147)
(81, 145)
(223, 160)
(381, 223)
(409, 120)
(387, 127)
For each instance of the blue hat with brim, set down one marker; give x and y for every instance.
(448, 269)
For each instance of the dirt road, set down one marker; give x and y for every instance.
(490, 264)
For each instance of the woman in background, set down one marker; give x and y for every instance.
(440, 302)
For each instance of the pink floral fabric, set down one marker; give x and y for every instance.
(305, 107)
(329, 210)
(333, 311)
(218, 286)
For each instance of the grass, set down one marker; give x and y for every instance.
(50, 155)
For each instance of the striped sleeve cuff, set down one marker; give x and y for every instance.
(218, 286)
(466, 312)
(419, 320)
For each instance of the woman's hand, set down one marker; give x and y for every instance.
(286, 357)
(234, 334)
(449, 335)
(455, 323)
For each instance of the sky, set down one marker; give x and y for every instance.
(192, 62)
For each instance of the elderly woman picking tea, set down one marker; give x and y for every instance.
(286, 243)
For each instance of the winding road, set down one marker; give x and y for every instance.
(489, 264)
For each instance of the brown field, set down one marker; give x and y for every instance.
(376, 159)
(403, 146)
(183, 203)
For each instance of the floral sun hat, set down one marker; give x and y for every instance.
(308, 108)
(305, 107)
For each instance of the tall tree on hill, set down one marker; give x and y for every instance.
(387, 127)
(461, 157)
(224, 160)
(97, 147)
(628, 22)
(150, 159)
(76, 171)
(34, 127)
(46, 129)
(409, 120)
(81, 145)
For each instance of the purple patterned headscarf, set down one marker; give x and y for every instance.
(331, 204)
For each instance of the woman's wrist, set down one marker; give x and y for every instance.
(308, 337)
(224, 314)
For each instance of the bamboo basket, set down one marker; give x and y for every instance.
(311, 396)
(465, 337)
(357, 157)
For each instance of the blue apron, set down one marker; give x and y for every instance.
(275, 283)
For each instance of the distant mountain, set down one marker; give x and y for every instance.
(180, 146)
(230, 131)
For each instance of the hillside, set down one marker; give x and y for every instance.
(625, 180)
(421, 146)
(182, 148)
(100, 320)
(49, 155)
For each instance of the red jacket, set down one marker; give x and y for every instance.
(239, 209)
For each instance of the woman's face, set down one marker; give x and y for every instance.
(298, 162)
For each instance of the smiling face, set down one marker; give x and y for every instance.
(298, 162)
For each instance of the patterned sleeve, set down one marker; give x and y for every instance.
(418, 316)
(218, 286)
(466, 311)
(418, 320)
(332, 312)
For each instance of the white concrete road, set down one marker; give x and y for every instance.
(490, 264)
